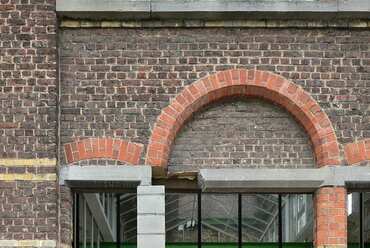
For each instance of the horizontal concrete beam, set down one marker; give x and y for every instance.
(212, 9)
(105, 176)
(104, 9)
(282, 180)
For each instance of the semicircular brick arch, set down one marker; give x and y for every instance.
(248, 83)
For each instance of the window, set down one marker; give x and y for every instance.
(87, 232)
(195, 220)
(181, 219)
(219, 220)
(213, 220)
(260, 220)
(358, 221)
(103, 220)
(297, 216)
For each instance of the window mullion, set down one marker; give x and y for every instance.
(362, 245)
(118, 221)
(199, 219)
(240, 233)
(280, 219)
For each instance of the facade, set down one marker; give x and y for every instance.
(161, 123)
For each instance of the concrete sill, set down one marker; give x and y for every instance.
(212, 9)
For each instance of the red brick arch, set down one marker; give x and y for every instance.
(248, 83)
(103, 148)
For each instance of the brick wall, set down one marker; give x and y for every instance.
(243, 134)
(116, 81)
(28, 187)
(27, 79)
(28, 210)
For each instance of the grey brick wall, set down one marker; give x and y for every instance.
(27, 79)
(249, 133)
(28, 120)
(116, 81)
(28, 210)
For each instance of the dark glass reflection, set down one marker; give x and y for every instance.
(219, 220)
(297, 219)
(260, 219)
(353, 219)
(211, 220)
(181, 220)
(366, 198)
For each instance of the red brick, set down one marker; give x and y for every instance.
(356, 152)
(109, 151)
(123, 151)
(8, 125)
(81, 150)
(221, 78)
(68, 152)
(243, 76)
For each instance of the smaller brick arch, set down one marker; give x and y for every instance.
(357, 152)
(103, 148)
(246, 83)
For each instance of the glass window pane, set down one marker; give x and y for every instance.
(89, 228)
(128, 219)
(353, 219)
(297, 220)
(366, 197)
(81, 216)
(260, 218)
(219, 220)
(181, 220)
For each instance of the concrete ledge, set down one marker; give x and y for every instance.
(282, 180)
(104, 9)
(212, 9)
(105, 176)
(360, 23)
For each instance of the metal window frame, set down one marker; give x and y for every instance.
(80, 204)
(240, 244)
(361, 218)
(240, 206)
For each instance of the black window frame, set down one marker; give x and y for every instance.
(240, 243)
(362, 243)
(199, 213)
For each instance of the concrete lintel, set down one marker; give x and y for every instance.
(212, 9)
(354, 6)
(281, 180)
(104, 9)
(105, 176)
(355, 177)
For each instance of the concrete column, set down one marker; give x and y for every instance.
(331, 217)
(151, 230)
